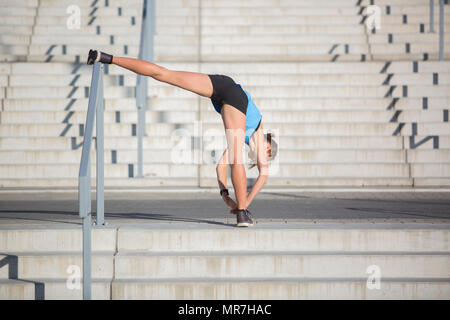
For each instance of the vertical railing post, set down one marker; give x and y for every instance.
(145, 53)
(100, 175)
(87, 245)
(431, 16)
(441, 30)
(84, 176)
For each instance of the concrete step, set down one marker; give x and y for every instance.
(190, 170)
(397, 2)
(266, 20)
(161, 238)
(86, 11)
(156, 156)
(403, 49)
(268, 49)
(272, 40)
(162, 143)
(63, 49)
(240, 265)
(120, 155)
(8, 117)
(429, 170)
(428, 156)
(273, 289)
(161, 170)
(286, 29)
(253, 288)
(94, 41)
(269, 68)
(247, 79)
(167, 129)
(274, 3)
(21, 3)
(336, 182)
(89, 30)
(148, 182)
(265, 30)
(161, 182)
(61, 21)
(15, 40)
(16, 30)
(194, 104)
(410, 9)
(433, 182)
(152, 182)
(56, 240)
(407, 38)
(410, 56)
(339, 170)
(293, 19)
(55, 130)
(344, 91)
(287, 238)
(50, 289)
(296, 9)
(88, 3)
(244, 264)
(48, 265)
(210, 116)
(163, 40)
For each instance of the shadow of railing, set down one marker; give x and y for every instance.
(12, 262)
(126, 216)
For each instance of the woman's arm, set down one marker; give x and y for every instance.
(221, 171)
(259, 183)
(263, 168)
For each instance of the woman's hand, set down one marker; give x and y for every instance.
(226, 198)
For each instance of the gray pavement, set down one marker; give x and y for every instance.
(206, 207)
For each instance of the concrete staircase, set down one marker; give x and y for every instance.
(351, 107)
(268, 261)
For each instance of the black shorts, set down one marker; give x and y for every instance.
(226, 91)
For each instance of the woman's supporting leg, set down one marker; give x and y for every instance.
(198, 83)
(234, 122)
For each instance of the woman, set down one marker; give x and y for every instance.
(241, 119)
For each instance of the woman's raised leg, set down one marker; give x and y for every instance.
(196, 82)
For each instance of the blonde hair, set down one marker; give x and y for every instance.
(273, 150)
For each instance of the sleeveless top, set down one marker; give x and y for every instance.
(253, 116)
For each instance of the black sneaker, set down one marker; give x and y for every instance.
(249, 215)
(98, 56)
(243, 220)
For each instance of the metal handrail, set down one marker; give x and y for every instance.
(95, 107)
(441, 25)
(96, 110)
(441, 30)
(145, 53)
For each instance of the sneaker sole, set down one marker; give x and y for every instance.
(244, 224)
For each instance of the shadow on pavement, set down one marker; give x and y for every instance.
(74, 215)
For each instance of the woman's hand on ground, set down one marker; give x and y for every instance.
(226, 198)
